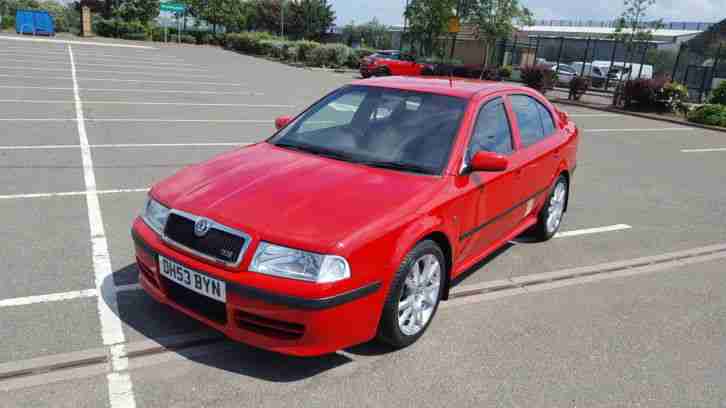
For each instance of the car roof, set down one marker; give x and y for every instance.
(459, 87)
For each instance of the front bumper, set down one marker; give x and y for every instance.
(261, 316)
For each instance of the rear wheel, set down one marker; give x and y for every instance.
(383, 71)
(550, 217)
(414, 296)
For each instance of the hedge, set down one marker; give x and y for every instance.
(719, 94)
(712, 114)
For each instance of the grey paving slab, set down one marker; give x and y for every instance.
(45, 329)
(170, 112)
(653, 340)
(18, 92)
(40, 171)
(139, 168)
(46, 247)
(91, 392)
(102, 133)
(16, 110)
(37, 134)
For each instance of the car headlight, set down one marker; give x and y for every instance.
(291, 263)
(155, 215)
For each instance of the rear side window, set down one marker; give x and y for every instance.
(534, 120)
(492, 132)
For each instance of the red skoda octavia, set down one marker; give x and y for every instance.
(351, 221)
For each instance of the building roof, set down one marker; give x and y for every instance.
(567, 30)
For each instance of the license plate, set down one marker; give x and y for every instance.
(193, 280)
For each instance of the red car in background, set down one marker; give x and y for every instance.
(351, 222)
(385, 63)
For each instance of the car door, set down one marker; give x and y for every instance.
(491, 219)
(538, 156)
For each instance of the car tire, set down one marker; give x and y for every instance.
(366, 75)
(422, 291)
(550, 216)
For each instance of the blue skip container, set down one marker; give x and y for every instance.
(36, 22)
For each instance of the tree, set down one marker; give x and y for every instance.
(495, 19)
(232, 14)
(137, 10)
(631, 28)
(371, 34)
(428, 21)
(308, 19)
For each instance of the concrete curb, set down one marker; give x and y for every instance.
(637, 114)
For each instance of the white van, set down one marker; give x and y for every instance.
(619, 70)
(596, 73)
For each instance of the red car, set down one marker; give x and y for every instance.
(351, 222)
(386, 63)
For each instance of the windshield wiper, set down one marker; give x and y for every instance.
(398, 166)
(318, 151)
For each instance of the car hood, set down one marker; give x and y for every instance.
(296, 198)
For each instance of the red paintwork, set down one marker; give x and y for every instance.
(370, 216)
(488, 161)
(372, 66)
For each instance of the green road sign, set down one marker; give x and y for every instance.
(173, 7)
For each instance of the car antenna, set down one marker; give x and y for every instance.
(451, 77)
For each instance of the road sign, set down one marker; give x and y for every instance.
(173, 7)
(454, 25)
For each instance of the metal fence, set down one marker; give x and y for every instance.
(675, 25)
(700, 67)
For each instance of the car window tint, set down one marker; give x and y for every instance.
(339, 112)
(528, 119)
(492, 132)
(547, 123)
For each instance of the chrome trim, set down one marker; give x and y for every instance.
(217, 226)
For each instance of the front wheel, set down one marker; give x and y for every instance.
(550, 217)
(414, 296)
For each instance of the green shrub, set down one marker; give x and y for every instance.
(713, 114)
(8, 22)
(291, 51)
(719, 94)
(643, 93)
(188, 39)
(250, 42)
(304, 48)
(317, 57)
(273, 48)
(538, 77)
(337, 54)
(356, 55)
(505, 71)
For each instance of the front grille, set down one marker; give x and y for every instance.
(269, 327)
(218, 244)
(201, 305)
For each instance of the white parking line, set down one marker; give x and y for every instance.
(120, 388)
(145, 73)
(671, 129)
(95, 61)
(100, 44)
(141, 81)
(716, 149)
(253, 121)
(588, 231)
(124, 145)
(53, 297)
(72, 193)
(151, 91)
(240, 105)
(61, 53)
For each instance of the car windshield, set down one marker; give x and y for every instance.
(379, 127)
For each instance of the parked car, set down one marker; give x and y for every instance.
(351, 222)
(598, 74)
(385, 63)
(565, 74)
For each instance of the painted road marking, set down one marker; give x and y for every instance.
(152, 91)
(120, 388)
(72, 193)
(100, 44)
(142, 81)
(240, 105)
(268, 121)
(53, 297)
(716, 149)
(588, 231)
(125, 145)
(144, 73)
(36, 52)
(671, 129)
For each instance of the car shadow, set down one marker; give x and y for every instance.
(481, 264)
(145, 318)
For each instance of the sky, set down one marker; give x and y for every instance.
(390, 11)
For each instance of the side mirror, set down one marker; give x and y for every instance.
(282, 121)
(488, 161)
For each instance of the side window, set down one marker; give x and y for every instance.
(528, 119)
(547, 123)
(492, 132)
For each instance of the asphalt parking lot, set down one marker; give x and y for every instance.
(632, 312)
